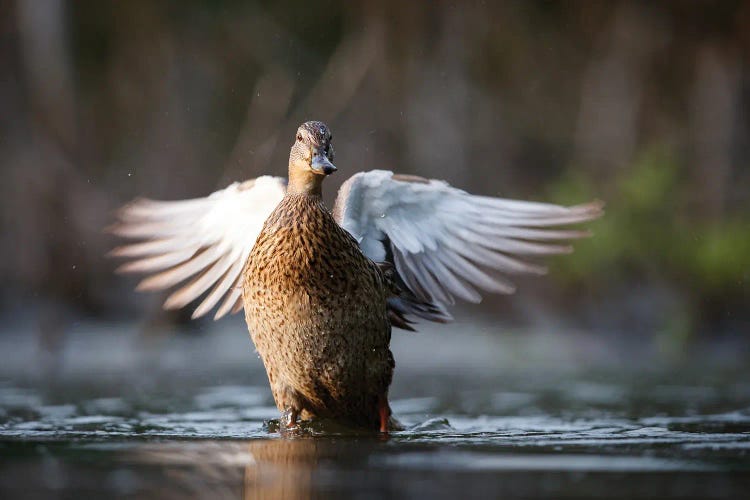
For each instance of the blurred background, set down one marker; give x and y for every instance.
(641, 104)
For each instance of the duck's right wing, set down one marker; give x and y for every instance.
(204, 240)
(445, 243)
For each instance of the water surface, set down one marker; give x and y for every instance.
(483, 416)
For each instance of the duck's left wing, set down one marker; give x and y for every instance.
(204, 240)
(446, 243)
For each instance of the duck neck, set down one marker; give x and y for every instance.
(304, 182)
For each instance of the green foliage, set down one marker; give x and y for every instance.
(722, 254)
(646, 231)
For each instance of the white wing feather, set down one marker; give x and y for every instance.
(207, 239)
(446, 243)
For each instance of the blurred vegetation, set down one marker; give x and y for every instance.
(649, 227)
(651, 233)
(641, 104)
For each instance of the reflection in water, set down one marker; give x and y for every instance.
(284, 468)
(311, 467)
(476, 457)
(207, 469)
(262, 468)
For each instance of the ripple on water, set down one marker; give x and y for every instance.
(242, 412)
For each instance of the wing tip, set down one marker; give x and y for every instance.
(120, 252)
(131, 267)
(127, 210)
(593, 209)
(149, 284)
(175, 301)
(199, 312)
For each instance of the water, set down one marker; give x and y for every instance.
(483, 416)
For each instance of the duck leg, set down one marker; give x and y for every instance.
(289, 402)
(384, 412)
(289, 418)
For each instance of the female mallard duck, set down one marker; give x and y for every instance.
(322, 290)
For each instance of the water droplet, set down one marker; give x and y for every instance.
(382, 216)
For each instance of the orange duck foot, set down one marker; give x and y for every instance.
(384, 410)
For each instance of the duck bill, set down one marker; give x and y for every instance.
(321, 164)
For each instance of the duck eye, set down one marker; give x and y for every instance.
(299, 137)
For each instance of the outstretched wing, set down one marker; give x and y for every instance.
(204, 240)
(446, 243)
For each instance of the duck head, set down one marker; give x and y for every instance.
(310, 159)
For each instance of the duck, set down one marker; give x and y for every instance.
(322, 289)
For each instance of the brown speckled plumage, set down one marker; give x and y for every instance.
(316, 310)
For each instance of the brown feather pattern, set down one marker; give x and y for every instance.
(316, 311)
